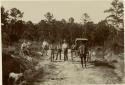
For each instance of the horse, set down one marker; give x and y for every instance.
(83, 52)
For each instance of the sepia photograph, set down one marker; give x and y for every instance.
(62, 42)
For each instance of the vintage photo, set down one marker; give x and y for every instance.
(62, 42)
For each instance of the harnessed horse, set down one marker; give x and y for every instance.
(83, 52)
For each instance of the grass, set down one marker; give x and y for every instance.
(111, 60)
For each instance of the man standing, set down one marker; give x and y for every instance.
(45, 47)
(73, 50)
(65, 49)
(29, 47)
(52, 48)
(59, 51)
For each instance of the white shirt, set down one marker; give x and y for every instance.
(64, 45)
(28, 44)
(24, 45)
(44, 44)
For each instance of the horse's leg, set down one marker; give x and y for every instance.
(89, 58)
(85, 60)
(81, 60)
(64, 58)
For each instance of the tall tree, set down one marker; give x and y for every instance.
(85, 18)
(63, 21)
(102, 32)
(15, 15)
(4, 16)
(116, 14)
(71, 20)
(49, 17)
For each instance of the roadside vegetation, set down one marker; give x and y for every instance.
(106, 38)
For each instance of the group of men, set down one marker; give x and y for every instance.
(59, 48)
(82, 51)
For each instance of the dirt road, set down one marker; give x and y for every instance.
(71, 73)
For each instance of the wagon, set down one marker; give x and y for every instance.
(79, 40)
(77, 44)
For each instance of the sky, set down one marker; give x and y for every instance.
(35, 10)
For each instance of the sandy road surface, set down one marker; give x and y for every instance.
(71, 73)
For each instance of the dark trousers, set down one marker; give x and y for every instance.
(52, 54)
(44, 51)
(83, 58)
(58, 54)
